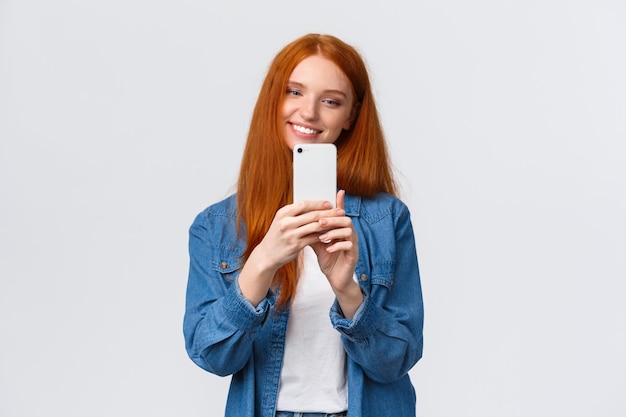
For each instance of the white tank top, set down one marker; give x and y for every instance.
(313, 376)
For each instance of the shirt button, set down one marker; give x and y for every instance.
(224, 265)
(363, 277)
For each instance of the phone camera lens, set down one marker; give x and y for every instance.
(299, 150)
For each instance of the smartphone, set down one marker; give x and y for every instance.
(315, 172)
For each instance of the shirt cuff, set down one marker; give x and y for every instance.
(242, 314)
(362, 325)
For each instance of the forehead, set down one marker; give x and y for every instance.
(316, 70)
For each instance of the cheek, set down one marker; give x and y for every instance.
(343, 122)
(336, 130)
(286, 110)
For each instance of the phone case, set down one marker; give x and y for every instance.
(315, 172)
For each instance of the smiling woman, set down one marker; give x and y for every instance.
(266, 272)
(319, 102)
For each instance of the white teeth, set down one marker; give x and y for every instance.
(304, 130)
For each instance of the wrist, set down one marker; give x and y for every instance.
(261, 262)
(349, 299)
(256, 278)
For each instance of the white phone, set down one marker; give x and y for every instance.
(315, 172)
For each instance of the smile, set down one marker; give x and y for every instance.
(305, 130)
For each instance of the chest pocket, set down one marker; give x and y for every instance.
(380, 283)
(375, 272)
(382, 273)
(228, 266)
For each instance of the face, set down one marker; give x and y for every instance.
(318, 103)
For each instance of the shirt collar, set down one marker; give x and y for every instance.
(352, 205)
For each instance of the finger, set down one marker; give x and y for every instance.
(340, 245)
(341, 194)
(319, 217)
(306, 206)
(337, 218)
(318, 222)
(344, 233)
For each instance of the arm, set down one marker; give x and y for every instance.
(337, 254)
(225, 308)
(219, 324)
(385, 335)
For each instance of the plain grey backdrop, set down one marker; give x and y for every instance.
(121, 120)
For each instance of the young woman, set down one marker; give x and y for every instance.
(313, 310)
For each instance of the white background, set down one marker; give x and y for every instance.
(120, 120)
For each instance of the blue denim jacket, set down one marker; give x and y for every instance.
(226, 335)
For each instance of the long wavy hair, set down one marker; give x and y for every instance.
(363, 166)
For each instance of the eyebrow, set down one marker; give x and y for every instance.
(300, 85)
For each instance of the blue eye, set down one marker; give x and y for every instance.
(293, 92)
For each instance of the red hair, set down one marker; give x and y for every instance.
(363, 166)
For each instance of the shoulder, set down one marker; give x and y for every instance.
(217, 221)
(225, 210)
(375, 208)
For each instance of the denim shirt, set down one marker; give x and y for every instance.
(226, 335)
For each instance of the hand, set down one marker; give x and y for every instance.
(337, 252)
(294, 226)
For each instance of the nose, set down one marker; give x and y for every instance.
(309, 109)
